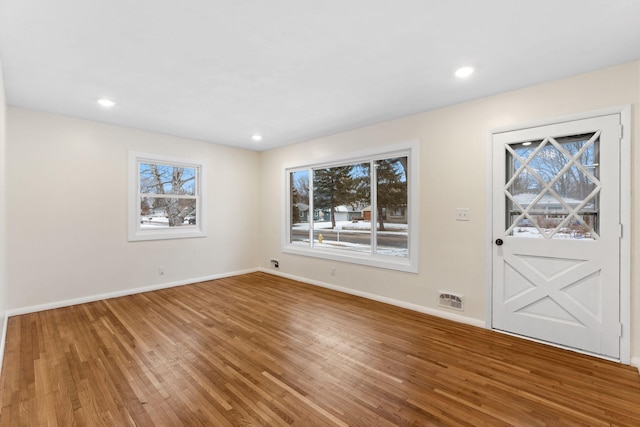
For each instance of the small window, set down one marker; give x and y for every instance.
(165, 197)
(360, 210)
(553, 188)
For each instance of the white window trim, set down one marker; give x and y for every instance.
(408, 264)
(135, 232)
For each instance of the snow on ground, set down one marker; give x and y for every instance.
(533, 233)
(157, 222)
(331, 241)
(360, 226)
(351, 226)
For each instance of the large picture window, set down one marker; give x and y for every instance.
(165, 197)
(357, 210)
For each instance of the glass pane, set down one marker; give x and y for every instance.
(524, 188)
(526, 227)
(166, 212)
(299, 193)
(392, 201)
(548, 162)
(165, 179)
(577, 183)
(342, 207)
(525, 149)
(570, 166)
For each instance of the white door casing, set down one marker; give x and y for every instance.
(556, 209)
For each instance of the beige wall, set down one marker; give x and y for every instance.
(635, 222)
(67, 210)
(3, 236)
(453, 169)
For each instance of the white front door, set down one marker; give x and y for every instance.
(556, 231)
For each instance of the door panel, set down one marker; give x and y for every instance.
(556, 210)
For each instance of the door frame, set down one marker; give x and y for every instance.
(625, 219)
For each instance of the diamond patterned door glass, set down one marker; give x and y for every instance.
(552, 189)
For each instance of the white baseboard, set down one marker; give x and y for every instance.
(415, 307)
(92, 298)
(635, 361)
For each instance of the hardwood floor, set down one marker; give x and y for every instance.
(261, 350)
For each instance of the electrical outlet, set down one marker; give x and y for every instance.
(333, 271)
(463, 214)
(275, 263)
(161, 271)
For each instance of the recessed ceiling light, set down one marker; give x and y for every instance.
(464, 72)
(257, 137)
(106, 102)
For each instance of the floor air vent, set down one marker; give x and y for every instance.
(452, 301)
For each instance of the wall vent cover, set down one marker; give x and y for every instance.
(451, 301)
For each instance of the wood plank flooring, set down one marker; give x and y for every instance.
(261, 350)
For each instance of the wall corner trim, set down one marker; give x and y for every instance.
(635, 361)
(415, 307)
(3, 340)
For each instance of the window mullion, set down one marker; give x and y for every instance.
(374, 207)
(169, 196)
(137, 212)
(311, 213)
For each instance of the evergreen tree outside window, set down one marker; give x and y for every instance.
(360, 210)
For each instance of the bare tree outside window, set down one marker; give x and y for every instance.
(554, 187)
(168, 195)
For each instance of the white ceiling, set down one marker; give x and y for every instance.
(294, 70)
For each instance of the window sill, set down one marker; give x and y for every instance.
(165, 234)
(378, 261)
